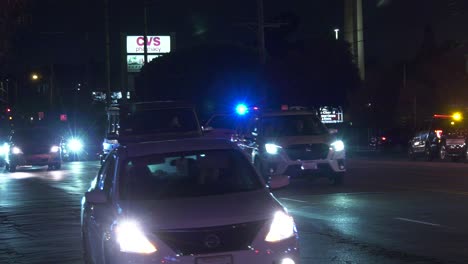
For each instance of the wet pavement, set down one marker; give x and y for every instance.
(388, 211)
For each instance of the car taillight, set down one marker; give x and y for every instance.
(438, 133)
(384, 138)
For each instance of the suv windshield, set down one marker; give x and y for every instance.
(292, 125)
(188, 174)
(231, 122)
(170, 120)
(34, 136)
(449, 127)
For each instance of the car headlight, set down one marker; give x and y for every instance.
(132, 240)
(272, 148)
(75, 145)
(281, 228)
(16, 150)
(54, 149)
(338, 145)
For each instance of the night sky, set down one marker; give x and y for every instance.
(393, 28)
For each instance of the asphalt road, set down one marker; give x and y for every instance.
(389, 211)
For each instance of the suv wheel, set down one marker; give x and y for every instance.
(337, 178)
(11, 167)
(428, 154)
(443, 152)
(411, 155)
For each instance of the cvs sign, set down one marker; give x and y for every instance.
(154, 44)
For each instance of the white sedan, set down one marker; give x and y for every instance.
(194, 201)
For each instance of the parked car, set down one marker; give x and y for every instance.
(440, 137)
(184, 201)
(34, 147)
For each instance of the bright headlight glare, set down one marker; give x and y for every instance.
(338, 145)
(281, 228)
(272, 148)
(4, 149)
(75, 145)
(131, 239)
(16, 150)
(54, 149)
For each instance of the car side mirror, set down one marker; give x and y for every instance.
(278, 181)
(96, 197)
(332, 131)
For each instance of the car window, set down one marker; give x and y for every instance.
(176, 175)
(223, 121)
(159, 121)
(292, 125)
(107, 176)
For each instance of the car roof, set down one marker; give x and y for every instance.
(152, 105)
(287, 113)
(179, 145)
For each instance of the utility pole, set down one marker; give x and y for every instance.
(52, 86)
(354, 32)
(145, 25)
(108, 78)
(261, 32)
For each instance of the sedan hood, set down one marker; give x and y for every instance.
(196, 212)
(287, 141)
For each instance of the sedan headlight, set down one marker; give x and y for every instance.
(272, 148)
(75, 145)
(54, 149)
(338, 145)
(16, 151)
(281, 228)
(131, 239)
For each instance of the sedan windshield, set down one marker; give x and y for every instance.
(176, 175)
(34, 136)
(292, 125)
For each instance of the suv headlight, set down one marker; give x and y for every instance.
(75, 145)
(272, 148)
(16, 150)
(54, 149)
(338, 145)
(131, 239)
(281, 228)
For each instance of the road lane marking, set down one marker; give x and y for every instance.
(416, 221)
(293, 200)
(430, 190)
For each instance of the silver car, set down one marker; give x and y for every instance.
(192, 201)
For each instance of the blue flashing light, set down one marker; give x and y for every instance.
(242, 109)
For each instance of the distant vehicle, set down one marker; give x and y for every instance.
(188, 201)
(143, 121)
(34, 147)
(440, 137)
(224, 126)
(83, 144)
(380, 143)
(294, 143)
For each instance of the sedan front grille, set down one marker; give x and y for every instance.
(32, 150)
(307, 151)
(212, 239)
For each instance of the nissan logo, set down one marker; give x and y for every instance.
(212, 241)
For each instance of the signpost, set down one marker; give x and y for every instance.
(331, 115)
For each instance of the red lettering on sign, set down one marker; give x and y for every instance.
(140, 41)
(157, 41)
